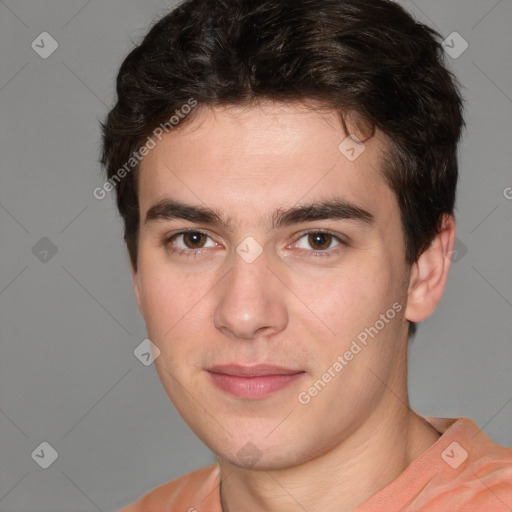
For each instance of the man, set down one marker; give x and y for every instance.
(286, 173)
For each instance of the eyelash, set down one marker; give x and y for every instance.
(193, 253)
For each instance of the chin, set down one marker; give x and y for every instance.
(259, 454)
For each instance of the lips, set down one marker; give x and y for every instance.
(252, 382)
(259, 370)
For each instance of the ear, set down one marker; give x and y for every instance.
(135, 278)
(429, 274)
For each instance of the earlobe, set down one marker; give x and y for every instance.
(429, 274)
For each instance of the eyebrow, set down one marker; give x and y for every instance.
(335, 209)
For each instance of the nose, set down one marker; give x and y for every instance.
(251, 301)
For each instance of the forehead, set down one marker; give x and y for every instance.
(245, 159)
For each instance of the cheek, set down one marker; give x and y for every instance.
(346, 297)
(348, 308)
(158, 304)
(165, 293)
(175, 311)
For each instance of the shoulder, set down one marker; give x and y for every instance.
(476, 474)
(191, 492)
(487, 483)
(464, 471)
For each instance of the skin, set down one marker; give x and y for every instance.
(287, 307)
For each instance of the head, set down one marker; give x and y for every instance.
(244, 109)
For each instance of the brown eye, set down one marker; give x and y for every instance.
(194, 239)
(190, 243)
(320, 241)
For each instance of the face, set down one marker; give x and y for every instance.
(271, 277)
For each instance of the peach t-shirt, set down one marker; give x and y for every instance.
(464, 471)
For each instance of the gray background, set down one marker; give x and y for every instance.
(68, 375)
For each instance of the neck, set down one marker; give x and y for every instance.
(340, 480)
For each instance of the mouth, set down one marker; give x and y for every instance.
(253, 382)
